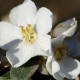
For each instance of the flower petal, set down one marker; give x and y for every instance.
(44, 21)
(9, 35)
(44, 43)
(66, 28)
(69, 68)
(57, 42)
(24, 14)
(57, 76)
(20, 54)
(52, 65)
(71, 30)
(73, 45)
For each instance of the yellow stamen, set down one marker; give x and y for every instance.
(60, 53)
(28, 34)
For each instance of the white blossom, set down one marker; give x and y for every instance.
(27, 34)
(59, 63)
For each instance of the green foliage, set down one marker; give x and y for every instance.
(22, 73)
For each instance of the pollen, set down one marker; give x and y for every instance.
(28, 34)
(60, 53)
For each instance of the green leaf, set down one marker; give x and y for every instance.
(23, 73)
(5, 76)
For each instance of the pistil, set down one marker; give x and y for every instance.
(60, 53)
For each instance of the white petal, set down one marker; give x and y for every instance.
(9, 35)
(52, 66)
(44, 21)
(57, 76)
(44, 43)
(57, 42)
(20, 54)
(38, 51)
(24, 14)
(71, 30)
(69, 68)
(66, 28)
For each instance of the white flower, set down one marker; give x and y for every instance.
(60, 64)
(27, 36)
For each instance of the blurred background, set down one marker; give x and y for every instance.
(64, 9)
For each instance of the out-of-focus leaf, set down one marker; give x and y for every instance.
(5, 76)
(23, 73)
(26, 71)
(4, 69)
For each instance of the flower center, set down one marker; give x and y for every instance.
(60, 53)
(28, 34)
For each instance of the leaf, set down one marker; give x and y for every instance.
(23, 73)
(5, 76)
(4, 68)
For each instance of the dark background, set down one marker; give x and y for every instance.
(64, 9)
